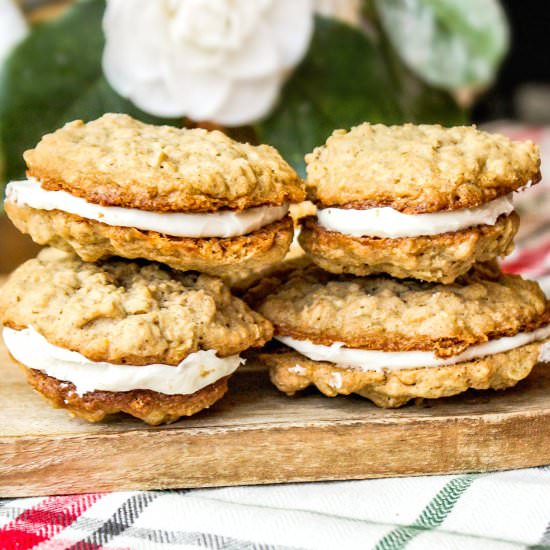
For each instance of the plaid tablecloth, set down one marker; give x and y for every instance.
(499, 511)
(494, 511)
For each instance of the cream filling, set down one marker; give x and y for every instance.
(224, 224)
(362, 359)
(195, 372)
(389, 223)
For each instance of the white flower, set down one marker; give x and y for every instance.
(13, 27)
(218, 60)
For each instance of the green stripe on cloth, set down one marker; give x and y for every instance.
(431, 517)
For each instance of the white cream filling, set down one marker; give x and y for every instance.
(362, 359)
(224, 224)
(391, 224)
(195, 372)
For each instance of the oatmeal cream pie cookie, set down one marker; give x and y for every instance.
(395, 340)
(425, 202)
(120, 336)
(192, 199)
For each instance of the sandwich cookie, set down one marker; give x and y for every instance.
(392, 341)
(98, 339)
(424, 202)
(192, 199)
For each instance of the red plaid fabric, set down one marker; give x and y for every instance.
(43, 521)
(532, 254)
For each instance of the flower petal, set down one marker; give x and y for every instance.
(202, 92)
(292, 24)
(131, 51)
(258, 58)
(193, 58)
(155, 98)
(13, 27)
(248, 101)
(116, 68)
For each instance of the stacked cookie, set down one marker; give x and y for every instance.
(409, 302)
(424, 202)
(191, 199)
(119, 336)
(155, 340)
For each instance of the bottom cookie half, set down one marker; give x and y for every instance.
(291, 372)
(152, 407)
(438, 258)
(93, 241)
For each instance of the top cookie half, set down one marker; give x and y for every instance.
(118, 161)
(418, 168)
(130, 313)
(381, 313)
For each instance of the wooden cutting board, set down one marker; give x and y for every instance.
(257, 435)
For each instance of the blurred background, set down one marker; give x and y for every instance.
(284, 72)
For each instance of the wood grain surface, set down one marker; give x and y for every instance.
(256, 435)
(15, 248)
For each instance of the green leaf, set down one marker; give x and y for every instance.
(52, 77)
(448, 43)
(345, 79)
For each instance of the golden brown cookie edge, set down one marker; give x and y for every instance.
(151, 407)
(94, 241)
(436, 258)
(395, 388)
